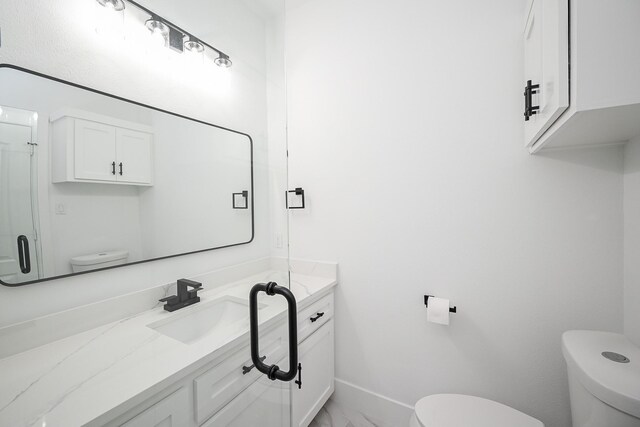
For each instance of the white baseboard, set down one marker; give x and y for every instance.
(379, 409)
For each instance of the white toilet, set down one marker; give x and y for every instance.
(459, 410)
(604, 379)
(99, 260)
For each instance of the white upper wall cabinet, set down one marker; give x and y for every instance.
(92, 148)
(546, 50)
(595, 69)
(134, 155)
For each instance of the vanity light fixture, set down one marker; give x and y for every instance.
(170, 34)
(158, 29)
(193, 45)
(116, 5)
(223, 61)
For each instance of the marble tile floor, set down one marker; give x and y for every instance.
(334, 415)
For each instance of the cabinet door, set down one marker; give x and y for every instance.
(134, 156)
(265, 403)
(316, 358)
(95, 151)
(172, 411)
(546, 56)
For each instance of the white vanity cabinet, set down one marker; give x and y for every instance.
(316, 357)
(583, 61)
(99, 149)
(172, 411)
(230, 392)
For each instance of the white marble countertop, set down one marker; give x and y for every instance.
(76, 379)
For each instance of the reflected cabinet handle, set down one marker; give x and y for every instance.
(113, 168)
(273, 372)
(23, 254)
(530, 109)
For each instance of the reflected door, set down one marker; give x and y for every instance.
(18, 233)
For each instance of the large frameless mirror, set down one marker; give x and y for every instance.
(91, 181)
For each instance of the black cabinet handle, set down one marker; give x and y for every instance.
(23, 254)
(120, 168)
(113, 168)
(247, 369)
(318, 315)
(299, 380)
(273, 372)
(529, 108)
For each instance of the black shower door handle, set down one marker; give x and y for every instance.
(23, 254)
(273, 372)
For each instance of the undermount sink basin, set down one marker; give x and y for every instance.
(215, 319)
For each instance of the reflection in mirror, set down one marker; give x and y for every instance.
(88, 181)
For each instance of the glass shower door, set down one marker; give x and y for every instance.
(19, 261)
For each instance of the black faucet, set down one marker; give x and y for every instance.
(185, 296)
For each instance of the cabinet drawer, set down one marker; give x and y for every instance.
(314, 316)
(264, 403)
(172, 411)
(219, 385)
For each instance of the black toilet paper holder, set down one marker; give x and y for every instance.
(453, 309)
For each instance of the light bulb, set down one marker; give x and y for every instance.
(223, 61)
(159, 31)
(116, 5)
(193, 46)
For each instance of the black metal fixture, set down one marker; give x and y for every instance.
(299, 380)
(169, 33)
(453, 309)
(273, 372)
(244, 200)
(530, 109)
(316, 317)
(185, 297)
(24, 257)
(298, 192)
(247, 369)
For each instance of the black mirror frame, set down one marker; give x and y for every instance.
(140, 104)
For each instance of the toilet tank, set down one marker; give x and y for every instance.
(98, 260)
(604, 388)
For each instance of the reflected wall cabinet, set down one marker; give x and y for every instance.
(90, 148)
(581, 63)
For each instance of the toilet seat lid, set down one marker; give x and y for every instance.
(459, 410)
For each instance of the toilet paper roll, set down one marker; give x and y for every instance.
(438, 311)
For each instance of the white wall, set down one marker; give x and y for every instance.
(632, 241)
(61, 41)
(405, 129)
